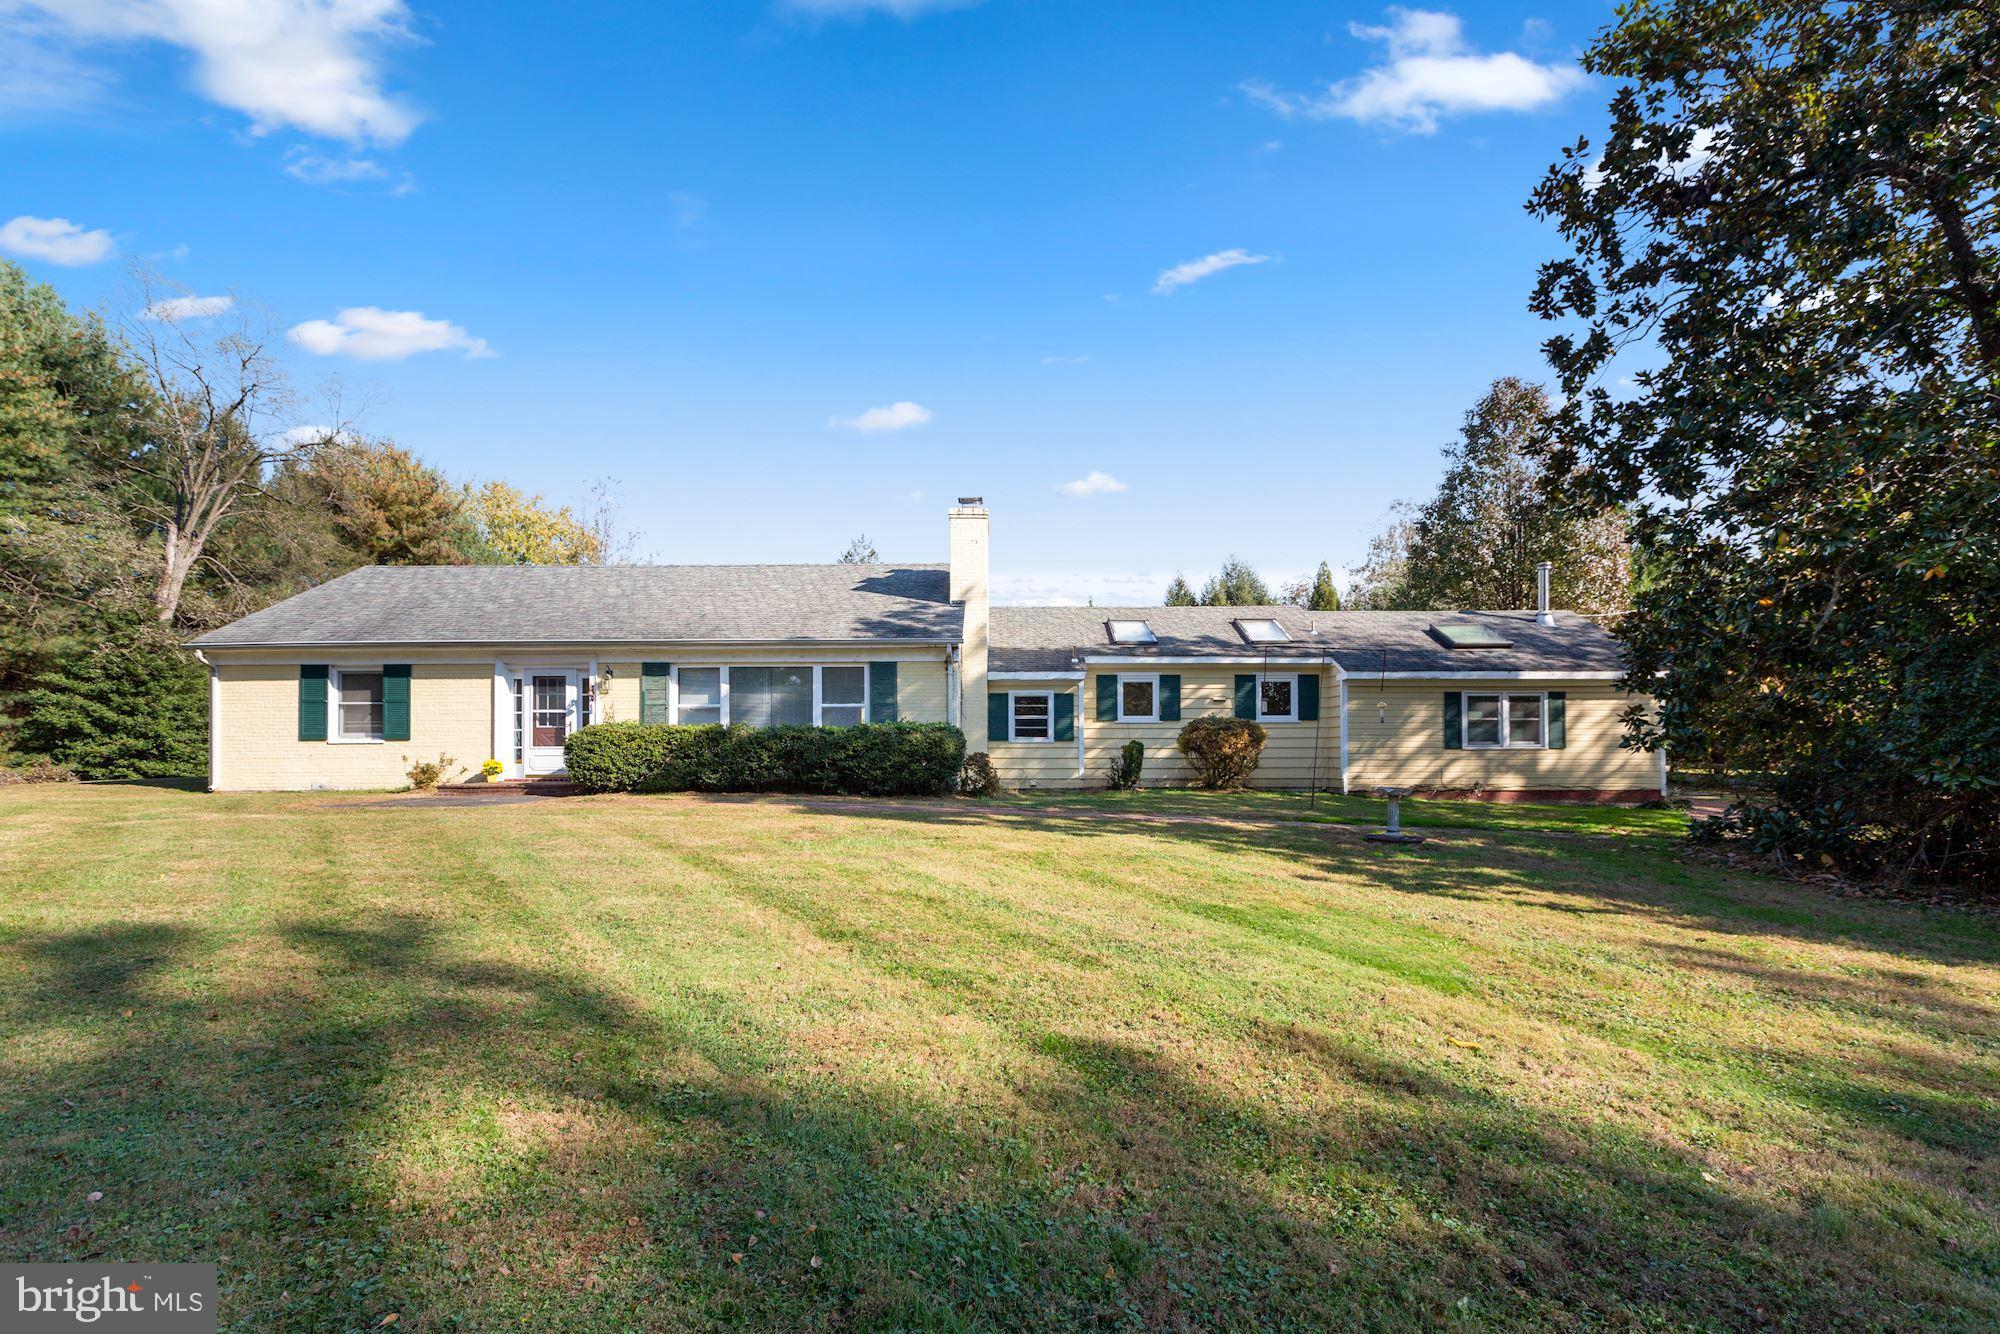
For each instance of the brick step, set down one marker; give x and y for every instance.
(516, 787)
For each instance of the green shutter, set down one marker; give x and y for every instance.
(881, 692)
(1308, 699)
(1558, 725)
(396, 701)
(312, 701)
(1065, 717)
(999, 718)
(1454, 720)
(1107, 699)
(1246, 696)
(653, 680)
(1170, 698)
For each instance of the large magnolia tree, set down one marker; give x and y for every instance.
(1790, 230)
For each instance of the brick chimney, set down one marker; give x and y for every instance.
(968, 588)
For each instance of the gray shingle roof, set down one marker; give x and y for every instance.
(1049, 639)
(568, 604)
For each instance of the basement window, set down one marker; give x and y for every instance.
(1131, 632)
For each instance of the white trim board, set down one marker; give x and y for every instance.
(1364, 677)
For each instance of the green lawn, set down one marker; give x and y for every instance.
(662, 1063)
(1331, 808)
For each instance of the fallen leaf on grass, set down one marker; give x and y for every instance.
(1461, 1042)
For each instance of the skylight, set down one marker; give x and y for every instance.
(1131, 632)
(1458, 634)
(1264, 632)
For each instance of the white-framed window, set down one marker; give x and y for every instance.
(1263, 631)
(1032, 715)
(357, 703)
(757, 695)
(698, 692)
(1131, 632)
(843, 696)
(1138, 699)
(1506, 721)
(1277, 699)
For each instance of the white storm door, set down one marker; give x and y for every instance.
(551, 709)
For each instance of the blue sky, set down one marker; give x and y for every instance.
(1161, 282)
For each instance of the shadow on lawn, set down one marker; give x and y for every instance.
(401, 1126)
(1571, 875)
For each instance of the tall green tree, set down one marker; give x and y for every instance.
(1179, 594)
(1317, 593)
(1236, 585)
(1477, 540)
(70, 554)
(1792, 222)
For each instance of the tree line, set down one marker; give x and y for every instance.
(157, 479)
(1475, 543)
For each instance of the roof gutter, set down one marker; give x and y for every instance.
(559, 644)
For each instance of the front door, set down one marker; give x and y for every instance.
(551, 718)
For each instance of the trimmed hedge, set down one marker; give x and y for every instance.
(872, 760)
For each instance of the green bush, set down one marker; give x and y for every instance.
(1222, 751)
(875, 759)
(125, 712)
(1131, 762)
(979, 778)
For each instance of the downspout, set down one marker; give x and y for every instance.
(954, 708)
(1342, 677)
(1079, 722)
(214, 710)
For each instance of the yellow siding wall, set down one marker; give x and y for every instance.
(1297, 755)
(257, 746)
(1395, 738)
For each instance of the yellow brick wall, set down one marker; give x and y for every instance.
(257, 747)
(1395, 738)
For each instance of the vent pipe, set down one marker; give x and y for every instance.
(1542, 613)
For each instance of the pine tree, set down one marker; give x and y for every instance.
(1237, 585)
(1179, 594)
(1324, 596)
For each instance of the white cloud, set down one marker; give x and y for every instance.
(1430, 73)
(189, 308)
(895, 417)
(902, 9)
(370, 333)
(54, 240)
(1701, 150)
(314, 65)
(1065, 361)
(1180, 275)
(1092, 483)
(305, 165)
